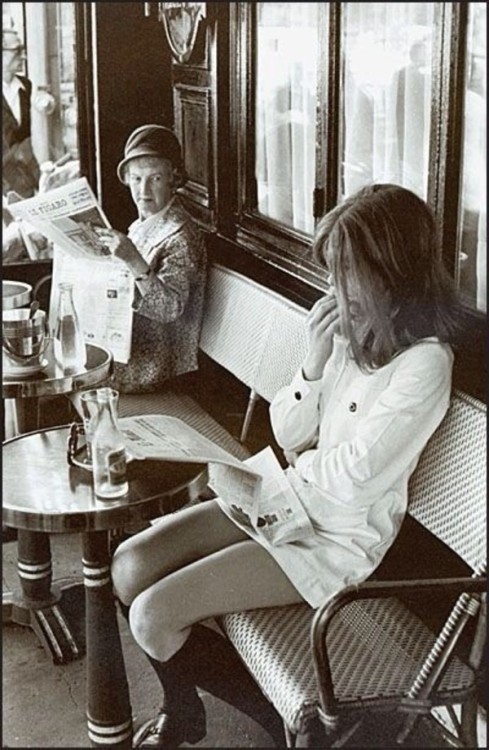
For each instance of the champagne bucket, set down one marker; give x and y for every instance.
(15, 294)
(23, 337)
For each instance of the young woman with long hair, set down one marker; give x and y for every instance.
(371, 391)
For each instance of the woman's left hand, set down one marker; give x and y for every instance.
(120, 246)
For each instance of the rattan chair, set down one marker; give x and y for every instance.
(365, 650)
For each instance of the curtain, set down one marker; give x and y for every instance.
(286, 111)
(386, 94)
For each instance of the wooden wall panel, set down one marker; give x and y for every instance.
(193, 127)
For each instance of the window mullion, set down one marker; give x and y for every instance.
(331, 65)
(447, 121)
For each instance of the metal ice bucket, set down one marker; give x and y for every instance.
(15, 294)
(23, 338)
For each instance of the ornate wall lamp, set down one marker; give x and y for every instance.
(181, 23)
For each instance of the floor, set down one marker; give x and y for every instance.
(44, 704)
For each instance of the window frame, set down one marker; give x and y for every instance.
(287, 248)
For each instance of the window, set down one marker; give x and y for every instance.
(331, 96)
(48, 33)
(285, 111)
(473, 239)
(49, 127)
(386, 87)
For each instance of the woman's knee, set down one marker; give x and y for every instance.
(154, 623)
(126, 570)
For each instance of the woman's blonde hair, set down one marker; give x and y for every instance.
(384, 239)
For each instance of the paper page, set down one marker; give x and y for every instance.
(168, 438)
(103, 294)
(67, 216)
(275, 512)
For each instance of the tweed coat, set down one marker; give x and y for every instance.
(167, 318)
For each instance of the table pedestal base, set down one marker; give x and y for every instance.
(38, 604)
(47, 620)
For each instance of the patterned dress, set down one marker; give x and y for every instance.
(168, 317)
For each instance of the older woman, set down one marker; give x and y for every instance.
(164, 251)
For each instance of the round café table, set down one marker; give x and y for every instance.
(33, 548)
(42, 494)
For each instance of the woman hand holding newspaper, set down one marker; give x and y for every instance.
(373, 388)
(120, 246)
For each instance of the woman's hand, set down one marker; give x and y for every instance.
(120, 246)
(323, 321)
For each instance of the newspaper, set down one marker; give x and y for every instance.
(256, 491)
(103, 287)
(67, 216)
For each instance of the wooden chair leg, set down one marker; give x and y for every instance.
(289, 736)
(314, 736)
(249, 413)
(468, 723)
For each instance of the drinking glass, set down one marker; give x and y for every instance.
(90, 407)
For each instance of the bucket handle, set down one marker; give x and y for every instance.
(40, 283)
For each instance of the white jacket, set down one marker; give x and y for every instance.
(359, 437)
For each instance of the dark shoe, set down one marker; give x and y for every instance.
(169, 730)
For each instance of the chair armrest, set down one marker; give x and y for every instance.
(370, 590)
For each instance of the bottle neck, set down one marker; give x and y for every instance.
(66, 305)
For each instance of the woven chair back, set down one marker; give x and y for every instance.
(253, 332)
(447, 492)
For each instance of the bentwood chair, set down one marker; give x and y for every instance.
(370, 648)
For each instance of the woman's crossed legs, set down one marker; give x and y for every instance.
(192, 565)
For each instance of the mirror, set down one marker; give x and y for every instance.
(39, 113)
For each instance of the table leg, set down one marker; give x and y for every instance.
(38, 603)
(109, 709)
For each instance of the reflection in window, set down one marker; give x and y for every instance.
(386, 94)
(473, 240)
(40, 144)
(285, 111)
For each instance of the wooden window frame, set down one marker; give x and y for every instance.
(289, 249)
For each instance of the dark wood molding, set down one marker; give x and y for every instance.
(193, 125)
(332, 123)
(84, 91)
(264, 269)
(446, 141)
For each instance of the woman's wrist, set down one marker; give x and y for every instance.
(312, 370)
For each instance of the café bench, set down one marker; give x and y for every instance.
(373, 647)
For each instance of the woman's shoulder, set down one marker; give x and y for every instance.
(429, 353)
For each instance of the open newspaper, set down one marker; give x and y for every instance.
(256, 491)
(103, 287)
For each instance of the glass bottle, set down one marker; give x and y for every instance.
(108, 449)
(68, 334)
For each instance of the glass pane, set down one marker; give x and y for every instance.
(40, 144)
(286, 77)
(473, 239)
(386, 94)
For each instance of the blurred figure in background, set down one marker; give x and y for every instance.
(20, 170)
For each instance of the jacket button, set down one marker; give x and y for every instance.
(298, 395)
(353, 406)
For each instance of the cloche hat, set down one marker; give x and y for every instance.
(151, 140)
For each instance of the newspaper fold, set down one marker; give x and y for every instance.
(67, 216)
(256, 491)
(103, 287)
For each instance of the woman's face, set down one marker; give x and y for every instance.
(150, 180)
